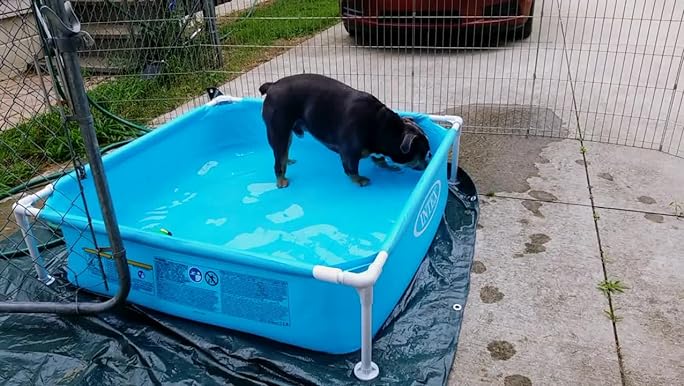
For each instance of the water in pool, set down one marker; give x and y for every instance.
(229, 198)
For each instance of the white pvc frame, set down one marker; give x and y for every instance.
(364, 282)
(23, 209)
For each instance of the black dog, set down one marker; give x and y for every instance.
(352, 123)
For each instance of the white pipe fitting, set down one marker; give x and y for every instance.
(363, 279)
(23, 209)
(455, 121)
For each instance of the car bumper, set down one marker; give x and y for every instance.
(504, 15)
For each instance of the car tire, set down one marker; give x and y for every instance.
(350, 31)
(526, 30)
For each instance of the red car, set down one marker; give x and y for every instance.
(365, 18)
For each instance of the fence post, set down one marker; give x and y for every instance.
(209, 12)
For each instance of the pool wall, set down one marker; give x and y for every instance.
(317, 309)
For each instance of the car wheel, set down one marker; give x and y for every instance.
(526, 30)
(350, 31)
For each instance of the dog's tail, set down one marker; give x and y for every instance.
(263, 89)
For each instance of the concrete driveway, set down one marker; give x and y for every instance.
(607, 69)
(561, 215)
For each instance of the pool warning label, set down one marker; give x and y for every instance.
(255, 298)
(230, 293)
(182, 284)
(142, 275)
(142, 279)
(211, 278)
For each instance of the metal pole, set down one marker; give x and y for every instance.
(366, 370)
(209, 11)
(68, 38)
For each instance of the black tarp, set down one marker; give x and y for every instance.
(136, 346)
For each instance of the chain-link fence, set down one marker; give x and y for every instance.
(46, 134)
(603, 71)
(31, 145)
(599, 70)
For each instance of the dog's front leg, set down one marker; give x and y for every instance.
(351, 168)
(382, 163)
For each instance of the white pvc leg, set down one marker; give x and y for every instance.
(30, 241)
(454, 159)
(366, 370)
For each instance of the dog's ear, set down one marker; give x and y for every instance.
(408, 121)
(406, 142)
(411, 122)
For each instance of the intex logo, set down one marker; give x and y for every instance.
(428, 209)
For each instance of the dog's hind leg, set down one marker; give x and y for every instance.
(281, 148)
(279, 137)
(289, 160)
(299, 132)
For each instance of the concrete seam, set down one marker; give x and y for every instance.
(593, 206)
(613, 208)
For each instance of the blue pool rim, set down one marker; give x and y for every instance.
(439, 160)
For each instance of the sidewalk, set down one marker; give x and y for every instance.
(535, 314)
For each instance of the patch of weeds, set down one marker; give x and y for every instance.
(490, 194)
(596, 216)
(612, 315)
(583, 150)
(611, 287)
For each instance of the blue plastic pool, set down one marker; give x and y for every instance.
(242, 254)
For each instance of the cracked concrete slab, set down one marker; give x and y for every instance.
(638, 179)
(647, 256)
(534, 315)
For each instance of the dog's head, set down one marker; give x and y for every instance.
(414, 149)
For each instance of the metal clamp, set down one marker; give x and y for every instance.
(73, 36)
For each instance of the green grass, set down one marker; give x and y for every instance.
(33, 146)
(244, 38)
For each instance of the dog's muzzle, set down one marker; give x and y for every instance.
(421, 164)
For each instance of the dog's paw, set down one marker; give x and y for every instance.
(291, 161)
(382, 163)
(282, 182)
(360, 180)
